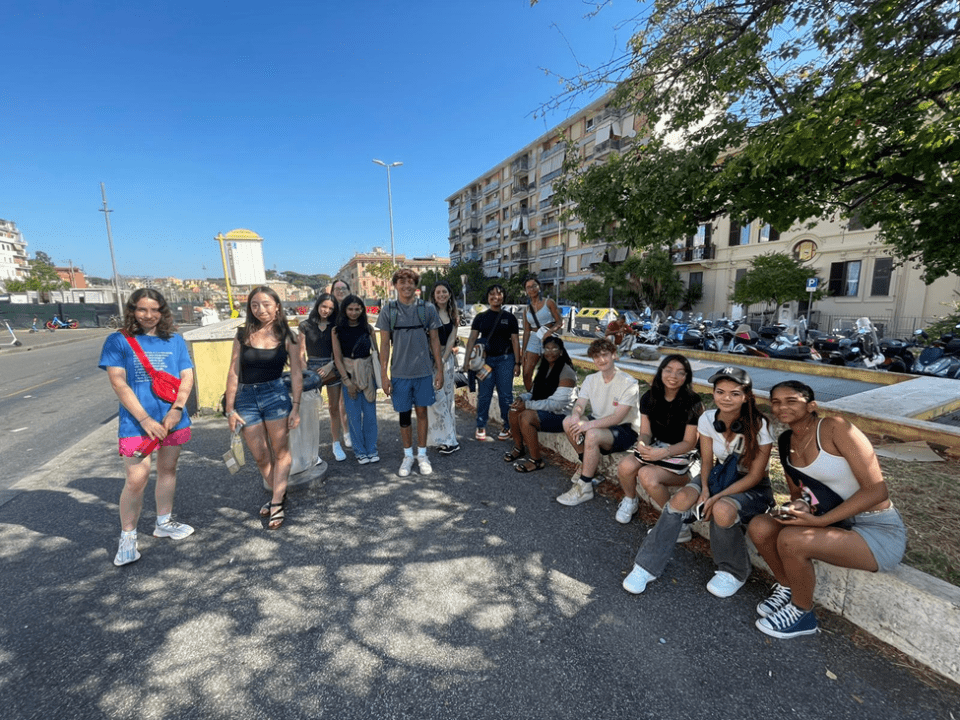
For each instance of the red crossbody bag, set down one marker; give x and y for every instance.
(165, 386)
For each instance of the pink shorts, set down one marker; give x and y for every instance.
(129, 445)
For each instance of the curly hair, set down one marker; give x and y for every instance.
(132, 327)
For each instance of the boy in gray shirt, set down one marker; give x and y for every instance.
(408, 326)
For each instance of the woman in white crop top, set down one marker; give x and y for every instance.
(839, 512)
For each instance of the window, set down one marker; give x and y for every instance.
(882, 270)
(696, 278)
(739, 275)
(845, 278)
(739, 234)
(769, 234)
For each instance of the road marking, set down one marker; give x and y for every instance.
(18, 430)
(33, 387)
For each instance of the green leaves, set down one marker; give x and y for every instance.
(791, 112)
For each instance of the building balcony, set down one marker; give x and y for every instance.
(693, 254)
(550, 252)
(552, 225)
(494, 203)
(550, 176)
(559, 147)
(492, 244)
(520, 164)
(522, 189)
(606, 146)
(490, 187)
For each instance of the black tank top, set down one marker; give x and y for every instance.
(444, 333)
(317, 341)
(354, 341)
(260, 366)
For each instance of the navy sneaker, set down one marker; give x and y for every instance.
(788, 622)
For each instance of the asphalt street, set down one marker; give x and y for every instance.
(52, 394)
(467, 593)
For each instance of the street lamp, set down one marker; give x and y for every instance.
(393, 257)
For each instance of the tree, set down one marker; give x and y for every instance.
(314, 282)
(42, 257)
(775, 278)
(787, 112)
(587, 293)
(384, 271)
(476, 282)
(42, 278)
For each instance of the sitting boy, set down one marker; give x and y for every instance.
(610, 427)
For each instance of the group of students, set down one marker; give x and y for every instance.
(839, 510)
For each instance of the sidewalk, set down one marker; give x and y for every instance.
(468, 593)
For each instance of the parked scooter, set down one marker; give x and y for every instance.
(942, 358)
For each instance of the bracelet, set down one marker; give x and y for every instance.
(296, 402)
(232, 412)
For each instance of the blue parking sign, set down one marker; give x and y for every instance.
(812, 284)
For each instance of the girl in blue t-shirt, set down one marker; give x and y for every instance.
(145, 419)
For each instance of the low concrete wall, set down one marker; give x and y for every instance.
(910, 610)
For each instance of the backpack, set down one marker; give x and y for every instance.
(393, 314)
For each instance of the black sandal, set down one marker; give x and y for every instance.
(265, 508)
(513, 455)
(529, 465)
(277, 516)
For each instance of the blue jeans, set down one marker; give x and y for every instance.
(257, 402)
(362, 419)
(501, 377)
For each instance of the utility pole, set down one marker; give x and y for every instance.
(113, 260)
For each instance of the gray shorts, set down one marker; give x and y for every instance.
(885, 535)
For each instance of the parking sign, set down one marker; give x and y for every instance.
(812, 284)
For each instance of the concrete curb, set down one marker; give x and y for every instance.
(914, 612)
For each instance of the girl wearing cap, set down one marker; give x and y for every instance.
(839, 512)
(735, 426)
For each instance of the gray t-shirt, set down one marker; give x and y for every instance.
(410, 356)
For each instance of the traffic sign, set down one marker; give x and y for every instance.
(812, 284)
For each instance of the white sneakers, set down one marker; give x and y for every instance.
(127, 552)
(636, 582)
(338, 452)
(578, 493)
(723, 584)
(627, 509)
(406, 466)
(172, 529)
(423, 464)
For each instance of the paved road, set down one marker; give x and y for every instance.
(52, 394)
(467, 594)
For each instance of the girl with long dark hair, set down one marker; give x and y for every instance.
(144, 417)
(839, 513)
(316, 341)
(541, 320)
(669, 412)
(257, 399)
(353, 345)
(738, 427)
(543, 409)
(441, 416)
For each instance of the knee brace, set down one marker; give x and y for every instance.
(405, 418)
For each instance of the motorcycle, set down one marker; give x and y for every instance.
(57, 323)
(942, 358)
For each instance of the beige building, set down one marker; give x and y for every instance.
(506, 219)
(356, 272)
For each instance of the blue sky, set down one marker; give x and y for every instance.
(201, 117)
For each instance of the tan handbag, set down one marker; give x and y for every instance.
(234, 458)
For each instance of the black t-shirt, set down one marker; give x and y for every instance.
(498, 339)
(444, 333)
(317, 341)
(669, 420)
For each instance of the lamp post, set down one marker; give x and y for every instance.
(393, 256)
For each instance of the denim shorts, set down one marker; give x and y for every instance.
(550, 421)
(314, 363)
(624, 438)
(407, 394)
(885, 535)
(258, 402)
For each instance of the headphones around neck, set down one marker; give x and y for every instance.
(736, 426)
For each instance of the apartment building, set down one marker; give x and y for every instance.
(356, 271)
(506, 217)
(13, 252)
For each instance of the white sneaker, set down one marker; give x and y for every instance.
(686, 534)
(172, 529)
(578, 493)
(723, 584)
(628, 507)
(406, 466)
(127, 552)
(374, 458)
(423, 463)
(347, 442)
(338, 452)
(363, 459)
(636, 581)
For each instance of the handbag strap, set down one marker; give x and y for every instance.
(141, 355)
(533, 314)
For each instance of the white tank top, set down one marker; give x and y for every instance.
(832, 470)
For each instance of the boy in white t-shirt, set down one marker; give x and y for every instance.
(612, 424)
